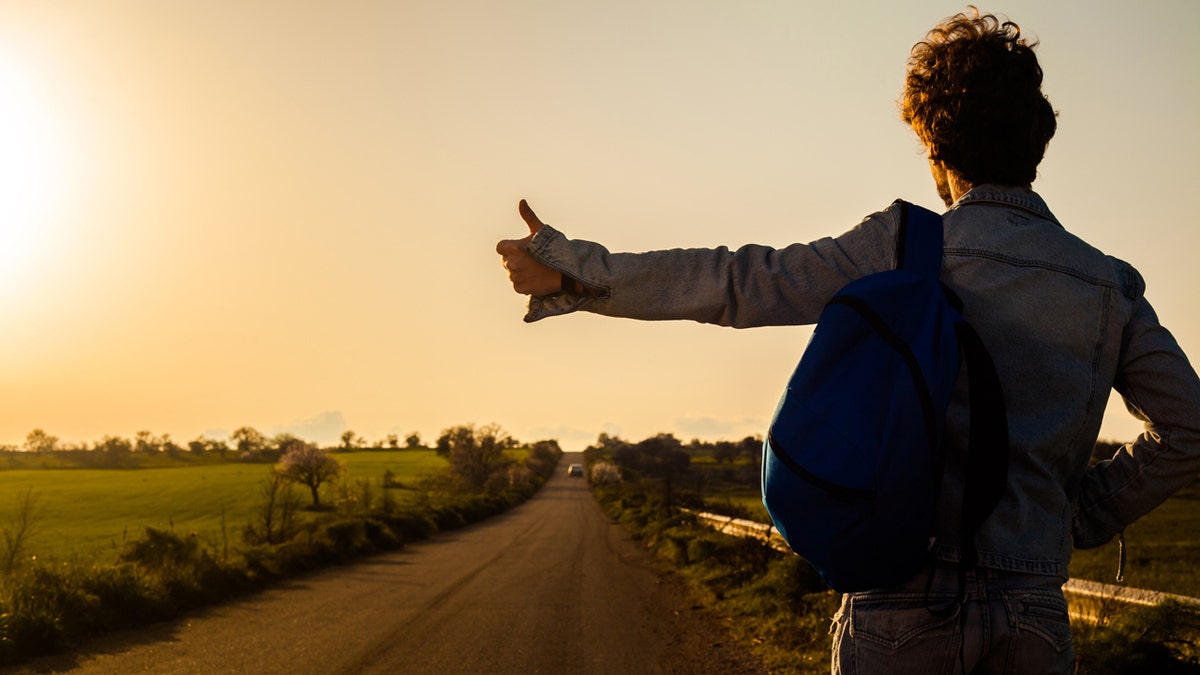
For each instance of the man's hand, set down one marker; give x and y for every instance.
(528, 276)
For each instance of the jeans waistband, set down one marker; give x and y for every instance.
(945, 579)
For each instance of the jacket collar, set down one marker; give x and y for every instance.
(1022, 198)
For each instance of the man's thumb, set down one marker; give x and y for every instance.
(529, 217)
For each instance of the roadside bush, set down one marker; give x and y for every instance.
(41, 607)
(121, 594)
(28, 633)
(410, 525)
(346, 537)
(446, 517)
(178, 569)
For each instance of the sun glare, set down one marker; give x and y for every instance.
(34, 172)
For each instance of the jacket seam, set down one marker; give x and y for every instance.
(1022, 262)
(1097, 357)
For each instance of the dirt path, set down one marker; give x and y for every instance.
(550, 587)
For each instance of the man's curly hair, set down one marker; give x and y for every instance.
(973, 95)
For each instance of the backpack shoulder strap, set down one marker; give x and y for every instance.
(919, 241)
(919, 245)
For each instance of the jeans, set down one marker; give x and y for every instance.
(1007, 623)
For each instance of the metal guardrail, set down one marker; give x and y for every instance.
(1088, 600)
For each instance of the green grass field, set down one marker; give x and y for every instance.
(1163, 547)
(86, 514)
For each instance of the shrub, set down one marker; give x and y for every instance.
(604, 473)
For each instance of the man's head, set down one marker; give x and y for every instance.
(973, 95)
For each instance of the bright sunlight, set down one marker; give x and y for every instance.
(35, 163)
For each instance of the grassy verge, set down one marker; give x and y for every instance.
(773, 603)
(777, 606)
(50, 603)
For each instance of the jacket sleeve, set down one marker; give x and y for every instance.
(1160, 387)
(751, 286)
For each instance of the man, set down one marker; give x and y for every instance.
(1064, 324)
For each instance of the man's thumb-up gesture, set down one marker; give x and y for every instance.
(528, 276)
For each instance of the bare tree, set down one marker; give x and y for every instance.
(276, 512)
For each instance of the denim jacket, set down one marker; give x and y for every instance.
(1064, 324)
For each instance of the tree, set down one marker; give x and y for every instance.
(40, 441)
(660, 457)
(144, 441)
(413, 440)
(474, 454)
(543, 455)
(393, 441)
(285, 443)
(311, 466)
(198, 446)
(752, 448)
(350, 440)
(169, 446)
(115, 449)
(249, 442)
(725, 451)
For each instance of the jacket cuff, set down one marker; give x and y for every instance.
(551, 248)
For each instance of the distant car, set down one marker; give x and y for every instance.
(575, 470)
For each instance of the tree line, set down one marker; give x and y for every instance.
(244, 444)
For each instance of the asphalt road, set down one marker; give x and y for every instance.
(552, 586)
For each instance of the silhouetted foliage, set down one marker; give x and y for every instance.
(40, 441)
(475, 454)
(249, 443)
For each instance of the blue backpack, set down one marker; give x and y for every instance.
(853, 460)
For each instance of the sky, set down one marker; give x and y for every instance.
(283, 213)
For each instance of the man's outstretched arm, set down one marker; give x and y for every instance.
(752, 286)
